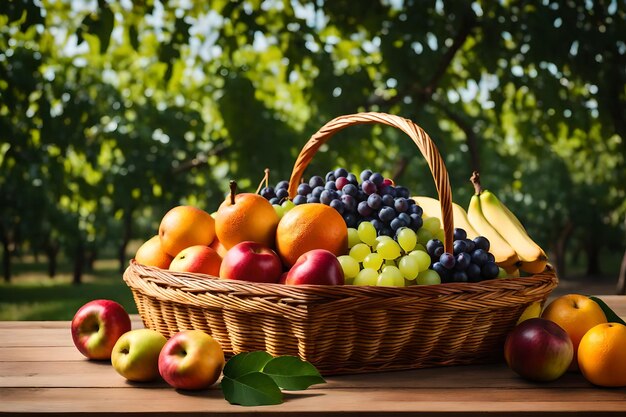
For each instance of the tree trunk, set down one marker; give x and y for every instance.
(6, 260)
(91, 255)
(593, 258)
(79, 262)
(621, 281)
(560, 249)
(6, 254)
(52, 250)
(126, 236)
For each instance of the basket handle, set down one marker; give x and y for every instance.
(420, 137)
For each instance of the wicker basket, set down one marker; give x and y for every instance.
(346, 329)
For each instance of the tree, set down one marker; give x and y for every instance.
(166, 101)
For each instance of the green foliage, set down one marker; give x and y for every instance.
(256, 378)
(114, 110)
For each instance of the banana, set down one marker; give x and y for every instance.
(432, 208)
(533, 258)
(503, 252)
(532, 311)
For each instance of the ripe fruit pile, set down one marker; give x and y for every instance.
(572, 333)
(376, 199)
(380, 235)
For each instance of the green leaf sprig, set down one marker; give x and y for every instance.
(256, 378)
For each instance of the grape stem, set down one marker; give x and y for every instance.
(475, 179)
(265, 180)
(233, 191)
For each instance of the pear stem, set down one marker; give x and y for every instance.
(475, 179)
(233, 191)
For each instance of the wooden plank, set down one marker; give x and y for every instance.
(85, 373)
(108, 401)
(40, 333)
(40, 354)
(135, 322)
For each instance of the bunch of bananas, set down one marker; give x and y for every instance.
(487, 216)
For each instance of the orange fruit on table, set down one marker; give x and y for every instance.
(602, 355)
(576, 314)
(151, 253)
(310, 226)
(245, 217)
(185, 226)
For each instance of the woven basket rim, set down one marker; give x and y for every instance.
(199, 283)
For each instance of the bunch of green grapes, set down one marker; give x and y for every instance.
(385, 261)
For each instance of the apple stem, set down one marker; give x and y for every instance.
(475, 179)
(233, 191)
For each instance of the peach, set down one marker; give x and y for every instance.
(151, 253)
(199, 259)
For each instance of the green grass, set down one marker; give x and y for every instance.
(32, 295)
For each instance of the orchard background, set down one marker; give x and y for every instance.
(112, 112)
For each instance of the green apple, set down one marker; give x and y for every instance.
(135, 356)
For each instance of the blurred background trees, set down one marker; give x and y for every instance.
(112, 112)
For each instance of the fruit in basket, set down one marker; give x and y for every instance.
(185, 226)
(601, 355)
(245, 217)
(533, 258)
(217, 246)
(375, 199)
(151, 253)
(504, 254)
(251, 261)
(307, 227)
(199, 259)
(538, 349)
(191, 360)
(97, 325)
(135, 356)
(576, 314)
(318, 266)
(471, 260)
(432, 208)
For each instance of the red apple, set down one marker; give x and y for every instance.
(317, 266)
(97, 325)
(251, 261)
(191, 360)
(198, 258)
(538, 349)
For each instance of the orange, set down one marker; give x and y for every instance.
(576, 314)
(246, 217)
(602, 355)
(152, 254)
(310, 226)
(185, 226)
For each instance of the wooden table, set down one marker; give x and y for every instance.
(42, 373)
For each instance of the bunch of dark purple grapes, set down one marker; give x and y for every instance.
(374, 199)
(470, 262)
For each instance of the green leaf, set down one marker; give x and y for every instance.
(254, 388)
(245, 363)
(611, 316)
(291, 373)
